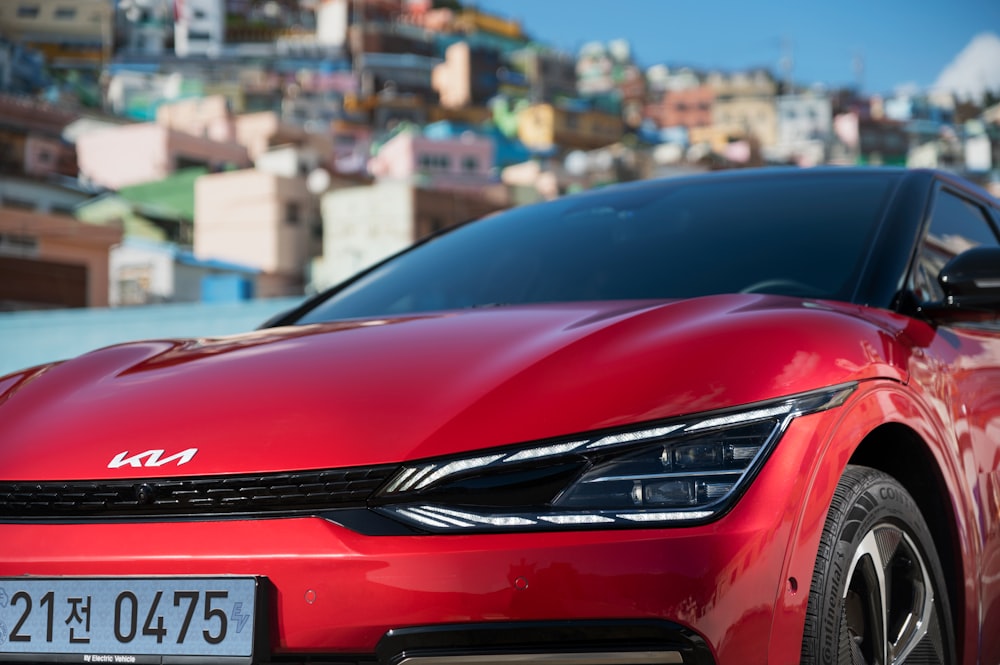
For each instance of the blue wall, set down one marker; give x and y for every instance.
(36, 337)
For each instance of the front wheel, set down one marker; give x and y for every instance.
(878, 594)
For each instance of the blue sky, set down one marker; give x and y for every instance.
(899, 41)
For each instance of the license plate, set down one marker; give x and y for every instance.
(128, 620)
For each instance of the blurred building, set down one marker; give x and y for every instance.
(137, 94)
(213, 119)
(601, 68)
(144, 27)
(687, 107)
(56, 196)
(548, 75)
(660, 79)
(363, 225)
(468, 76)
(50, 260)
(805, 129)
(883, 142)
(145, 273)
(390, 111)
(32, 138)
(71, 35)
(397, 73)
(200, 28)
(264, 220)
(744, 107)
(145, 152)
(22, 69)
(544, 127)
(463, 162)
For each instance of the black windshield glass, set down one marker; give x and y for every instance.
(803, 236)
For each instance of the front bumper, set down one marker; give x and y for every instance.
(731, 591)
(577, 598)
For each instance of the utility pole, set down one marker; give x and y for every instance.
(858, 65)
(786, 64)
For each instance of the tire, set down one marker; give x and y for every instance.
(878, 593)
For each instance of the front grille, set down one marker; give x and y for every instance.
(296, 492)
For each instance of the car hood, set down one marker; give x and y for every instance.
(380, 391)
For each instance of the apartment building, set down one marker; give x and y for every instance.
(546, 126)
(131, 154)
(69, 34)
(262, 220)
(463, 162)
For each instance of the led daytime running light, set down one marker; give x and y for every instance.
(742, 417)
(438, 517)
(420, 477)
(632, 437)
(547, 451)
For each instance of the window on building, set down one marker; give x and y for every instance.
(134, 284)
(895, 142)
(18, 245)
(27, 11)
(19, 204)
(431, 162)
(64, 13)
(293, 213)
(470, 164)
(186, 162)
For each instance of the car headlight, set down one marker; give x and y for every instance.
(681, 471)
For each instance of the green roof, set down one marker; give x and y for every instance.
(172, 197)
(110, 208)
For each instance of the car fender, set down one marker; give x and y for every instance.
(875, 404)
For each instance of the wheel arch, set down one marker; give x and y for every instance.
(900, 452)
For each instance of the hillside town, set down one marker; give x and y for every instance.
(161, 151)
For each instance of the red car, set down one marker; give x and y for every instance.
(745, 417)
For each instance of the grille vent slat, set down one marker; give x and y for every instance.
(204, 496)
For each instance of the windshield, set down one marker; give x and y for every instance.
(803, 236)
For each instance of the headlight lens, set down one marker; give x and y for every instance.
(683, 471)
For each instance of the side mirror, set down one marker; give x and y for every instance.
(971, 280)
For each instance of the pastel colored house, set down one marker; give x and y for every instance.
(364, 224)
(545, 126)
(262, 220)
(144, 273)
(53, 261)
(144, 152)
(464, 162)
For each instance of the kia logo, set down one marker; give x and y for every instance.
(151, 458)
